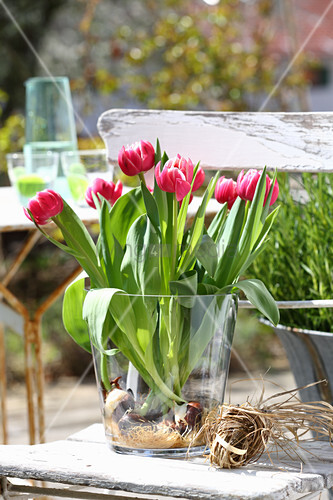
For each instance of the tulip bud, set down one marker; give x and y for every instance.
(225, 191)
(246, 184)
(176, 176)
(110, 191)
(44, 205)
(139, 157)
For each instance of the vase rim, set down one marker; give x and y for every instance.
(161, 296)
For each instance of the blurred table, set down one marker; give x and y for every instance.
(83, 460)
(16, 315)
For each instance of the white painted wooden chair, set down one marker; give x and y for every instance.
(292, 142)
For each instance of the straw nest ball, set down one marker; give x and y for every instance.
(236, 435)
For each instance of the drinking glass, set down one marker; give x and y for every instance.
(82, 167)
(32, 173)
(50, 124)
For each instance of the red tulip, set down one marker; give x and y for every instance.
(225, 191)
(139, 157)
(44, 205)
(110, 191)
(199, 179)
(176, 176)
(246, 185)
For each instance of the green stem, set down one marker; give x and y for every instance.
(154, 402)
(104, 372)
(174, 242)
(142, 178)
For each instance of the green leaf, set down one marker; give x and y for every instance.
(181, 220)
(105, 243)
(72, 312)
(251, 231)
(96, 313)
(261, 241)
(269, 197)
(216, 227)
(162, 202)
(204, 323)
(140, 335)
(124, 212)
(157, 152)
(189, 254)
(259, 296)
(150, 363)
(151, 208)
(142, 255)
(78, 238)
(122, 329)
(55, 242)
(207, 289)
(207, 254)
(186, 285)
(228, 243)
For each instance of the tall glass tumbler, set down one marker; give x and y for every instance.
(81, 168)
(50, 124)
(32, 173)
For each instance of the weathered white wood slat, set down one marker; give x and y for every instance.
(290, 141)
(93, 464)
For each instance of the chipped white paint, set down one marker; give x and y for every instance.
(289, 141)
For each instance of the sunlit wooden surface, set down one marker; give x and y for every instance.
(84, 460)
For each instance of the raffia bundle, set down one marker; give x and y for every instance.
(238, 435)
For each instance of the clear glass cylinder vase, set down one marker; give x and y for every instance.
(155, 397)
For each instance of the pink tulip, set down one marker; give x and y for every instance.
(139, 157)
(176, 176)
(44, 205)
(225, 191)
(246, 185)
(275, 192)
(110, 191)
(199, 179)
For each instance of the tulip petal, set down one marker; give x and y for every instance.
(199, 179)
(182, 188)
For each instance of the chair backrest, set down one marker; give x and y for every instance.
(293, 142)
(296, 142)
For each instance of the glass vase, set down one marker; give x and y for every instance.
(158, 408)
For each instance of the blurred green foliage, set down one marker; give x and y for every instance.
(173, 54)
(11, 136)
(297, 263)
(196, 55)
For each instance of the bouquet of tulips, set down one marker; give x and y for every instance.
(146, 250)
